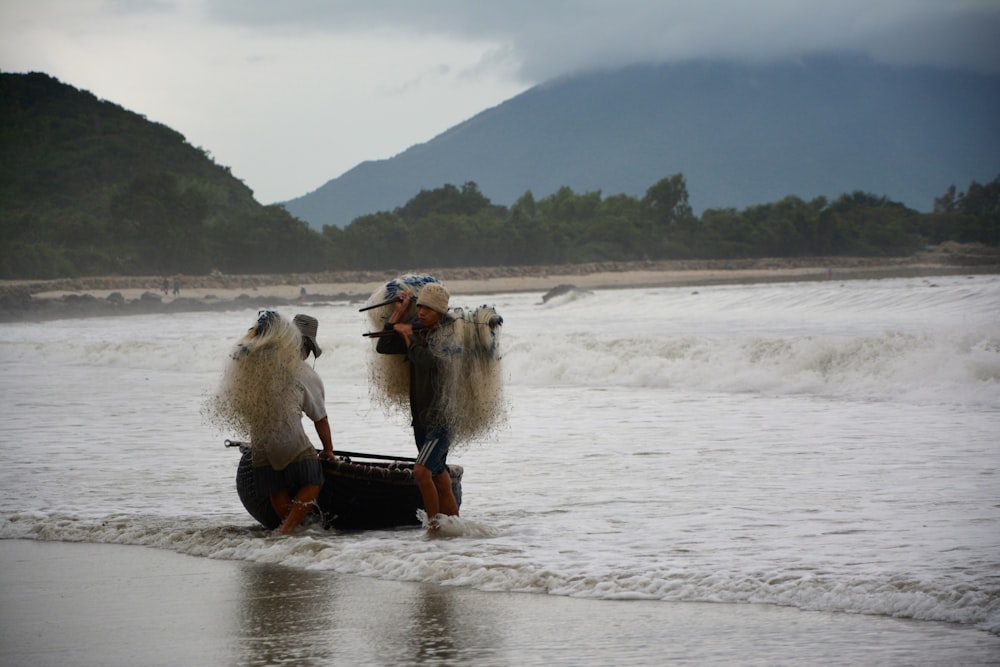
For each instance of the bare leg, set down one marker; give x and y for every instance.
(428, 490)
(281, 503)
(448, 504)
(303, 502)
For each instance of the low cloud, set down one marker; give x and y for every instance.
(558, 37)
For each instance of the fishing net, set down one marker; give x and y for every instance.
(257, 395)
(473, 399)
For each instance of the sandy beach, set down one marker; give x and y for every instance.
(78, 297)
(97, 604)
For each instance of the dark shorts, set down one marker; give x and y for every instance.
(307, 472)
(433, 444)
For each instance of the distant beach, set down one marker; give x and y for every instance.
(111, 295)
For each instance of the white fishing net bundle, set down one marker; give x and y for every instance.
(257, 395)
(468, 346)
(389, 374)
(472, 399)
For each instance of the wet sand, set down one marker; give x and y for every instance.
(95, 604)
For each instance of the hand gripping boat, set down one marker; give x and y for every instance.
(361, 491)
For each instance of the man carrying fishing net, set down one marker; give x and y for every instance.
(443, 365)
(266, 387)
(430, 429)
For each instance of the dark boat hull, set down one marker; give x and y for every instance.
(356, 494)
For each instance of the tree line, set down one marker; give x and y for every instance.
(458, 226)
(162, 224)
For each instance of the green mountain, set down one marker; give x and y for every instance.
(89, 187)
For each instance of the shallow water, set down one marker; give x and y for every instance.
(119, 605)
(826, 447)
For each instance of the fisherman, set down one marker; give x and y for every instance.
(430, 431)
(267, 388)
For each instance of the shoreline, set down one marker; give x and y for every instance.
(115, 295)
(85, 603)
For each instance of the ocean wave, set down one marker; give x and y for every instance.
(961, 368)
(956, 367)
(907, 339)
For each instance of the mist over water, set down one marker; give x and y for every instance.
(824, 446)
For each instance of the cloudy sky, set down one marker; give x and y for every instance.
(291, 94)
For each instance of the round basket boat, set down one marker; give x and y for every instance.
(357, 494)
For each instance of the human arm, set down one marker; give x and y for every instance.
(313, 400)
(323, 431)
(397, 344)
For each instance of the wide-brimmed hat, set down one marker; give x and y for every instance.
(309, 327)
(435, 297)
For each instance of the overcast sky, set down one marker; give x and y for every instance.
(291, 94)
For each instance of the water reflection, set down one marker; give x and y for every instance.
(285, 616)
(446, 628)
(432, 626)
(422, 624)
(302, 617)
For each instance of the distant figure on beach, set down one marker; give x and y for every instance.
(302, 294)
(429, 428)
(177, 286)
(266, 389)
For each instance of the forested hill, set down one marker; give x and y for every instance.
(87, 186)
(741, 134)
(90, 189)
